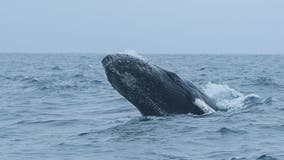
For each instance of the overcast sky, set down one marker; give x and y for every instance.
(148, 26)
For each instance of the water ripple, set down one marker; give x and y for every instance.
(62, 107)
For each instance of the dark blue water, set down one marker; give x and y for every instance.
(62, 107)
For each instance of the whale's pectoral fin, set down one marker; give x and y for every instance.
(203, 106)
(208, 100)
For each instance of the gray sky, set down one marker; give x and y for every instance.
(148, 26)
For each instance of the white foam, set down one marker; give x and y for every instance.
(133, 53)
(204, 106)
(227, 97)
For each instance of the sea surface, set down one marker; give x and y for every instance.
(61, 106)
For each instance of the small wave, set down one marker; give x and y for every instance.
(67, 86)
(281, 109)
(56, 85)
(225, 130)
(84, 57)
(56, 68)
(22, 78)
(263, 157)
(265, 81)
(96, 81)
(30, 79)
(243, 158)
(84, 133)
(53, 83)
(13, 78)
(115, 100)
(91, 66)
(276, 127)
(227, 97)
(206, 68)
(78, 76)
(47, 122)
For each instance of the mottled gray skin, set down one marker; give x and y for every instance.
(153, 90)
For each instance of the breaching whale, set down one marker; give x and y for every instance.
(153, 90)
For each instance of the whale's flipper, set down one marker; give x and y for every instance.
(204, 106)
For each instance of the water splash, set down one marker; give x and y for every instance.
(133, 53)
(227, 97)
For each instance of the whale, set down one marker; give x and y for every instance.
(155, 91)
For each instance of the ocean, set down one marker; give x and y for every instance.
(61, 106)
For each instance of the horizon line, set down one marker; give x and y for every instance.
(151, 53)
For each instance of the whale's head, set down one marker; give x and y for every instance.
(153, 90)
(125, 71)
